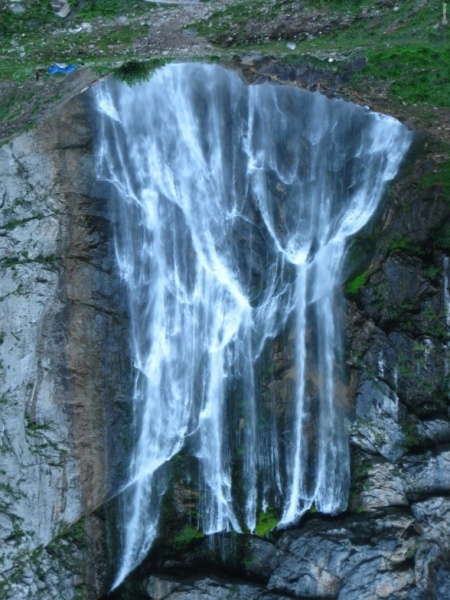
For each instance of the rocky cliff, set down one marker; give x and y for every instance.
(65, 380)
(64, 368)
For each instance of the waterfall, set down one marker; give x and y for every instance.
(233, 206)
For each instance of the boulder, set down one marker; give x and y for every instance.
(61, 8)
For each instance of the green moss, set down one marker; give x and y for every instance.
(187, 535)
(434, 322)
(401, 243)
(11, 225)
(433, 272)
(266, 522)
(5, 487)
(354, 286)
(405, 244)
(10, 262)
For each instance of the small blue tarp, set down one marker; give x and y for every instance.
(61, 69)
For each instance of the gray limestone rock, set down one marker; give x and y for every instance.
(64, 366)
(433, 516)
(61, 8)
(437, 430)
(327, 560)
(379, 414)
(376, 579)
(427, 474)
(385, 486)
(207, 588)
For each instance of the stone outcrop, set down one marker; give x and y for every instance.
(61, 8)
(64, 359)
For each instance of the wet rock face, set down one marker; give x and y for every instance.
(394, 540)
(213, 588)
(64, 378)
(388, 553)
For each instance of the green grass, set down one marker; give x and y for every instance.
(38, 14)
(416, 73)
(383, 25)
(407, 49)
(37, 38)
(91, 9)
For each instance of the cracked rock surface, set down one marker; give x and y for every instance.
(64, 370)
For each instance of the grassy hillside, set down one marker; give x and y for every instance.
(402, 47)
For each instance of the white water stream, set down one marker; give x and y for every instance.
(233, 208)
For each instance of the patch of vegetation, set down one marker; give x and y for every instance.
(37, 14)
(266, 522)
(10, 262)
(442, 239)
(73, 533)
(405, 244)
(31, 425)
(410, 437)
(37, 39)
(434, 322)
(360, 480)
(187, 535)
(49, 261)
(91, 9)
(433, 272)
(406, 368)
(11, 225)
(134, 72)
(401, 243)
(243, 23)
(416, 73)
(354, 286)
(5, 487)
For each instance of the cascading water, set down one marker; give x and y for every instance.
(233, 206)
